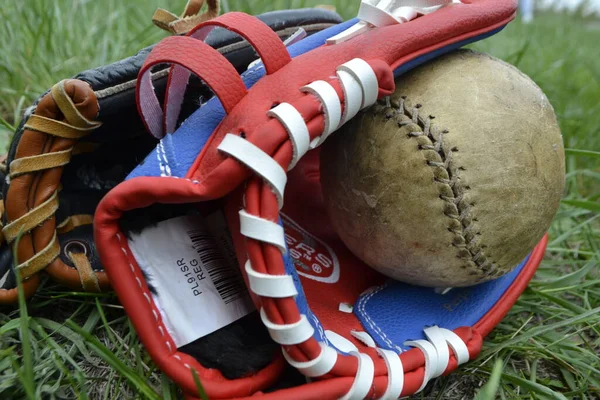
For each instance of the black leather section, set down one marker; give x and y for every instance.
(238, 349)
(120, 118)
(127, 69)
(106, 166)
(75, 202)
(80, 239)
(7, 274)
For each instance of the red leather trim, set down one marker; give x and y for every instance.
(209, 64)
(204, 61)
(455, 39)
(130, 286)
(265, 41)
(413, 360)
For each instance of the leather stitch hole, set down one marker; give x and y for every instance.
(73, 245)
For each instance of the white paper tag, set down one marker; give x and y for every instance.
(191, 263)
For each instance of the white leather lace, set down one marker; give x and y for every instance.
(360, 87)
(378, 13)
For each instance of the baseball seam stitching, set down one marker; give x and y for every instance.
(463, 224)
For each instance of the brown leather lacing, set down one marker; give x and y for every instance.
(73, 222)
(188, 19)
(87, 276)
(75, 127)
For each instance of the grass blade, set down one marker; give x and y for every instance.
(533, 387)
(540, 330)
(572, 278)
(489, 390)
(26, 375)
(585, 204)
(584, 153)
(199, 387)
(111, 359)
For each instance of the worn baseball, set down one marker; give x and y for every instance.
(453, 179)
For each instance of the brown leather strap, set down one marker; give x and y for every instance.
(11, 296)
(57, 128)
(193, 7)
(188, 19)
(69, 109)
(89, 280)
(73, 222)
(32, 219)
(76, 125)
(40, 162)
(40, 260)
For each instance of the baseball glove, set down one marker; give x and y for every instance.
(215, 188)
(82, 138)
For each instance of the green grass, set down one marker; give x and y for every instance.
(73, 345)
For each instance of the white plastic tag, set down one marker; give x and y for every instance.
(191, 263)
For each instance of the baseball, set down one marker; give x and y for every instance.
(453, 179)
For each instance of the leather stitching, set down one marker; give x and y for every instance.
(319, 328)
(463, 224)
(362, 302)
(158, 324)
(163, 162)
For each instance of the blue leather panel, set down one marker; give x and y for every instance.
(397, 312)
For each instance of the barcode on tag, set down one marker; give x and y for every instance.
(191, 263)
(227, 280)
